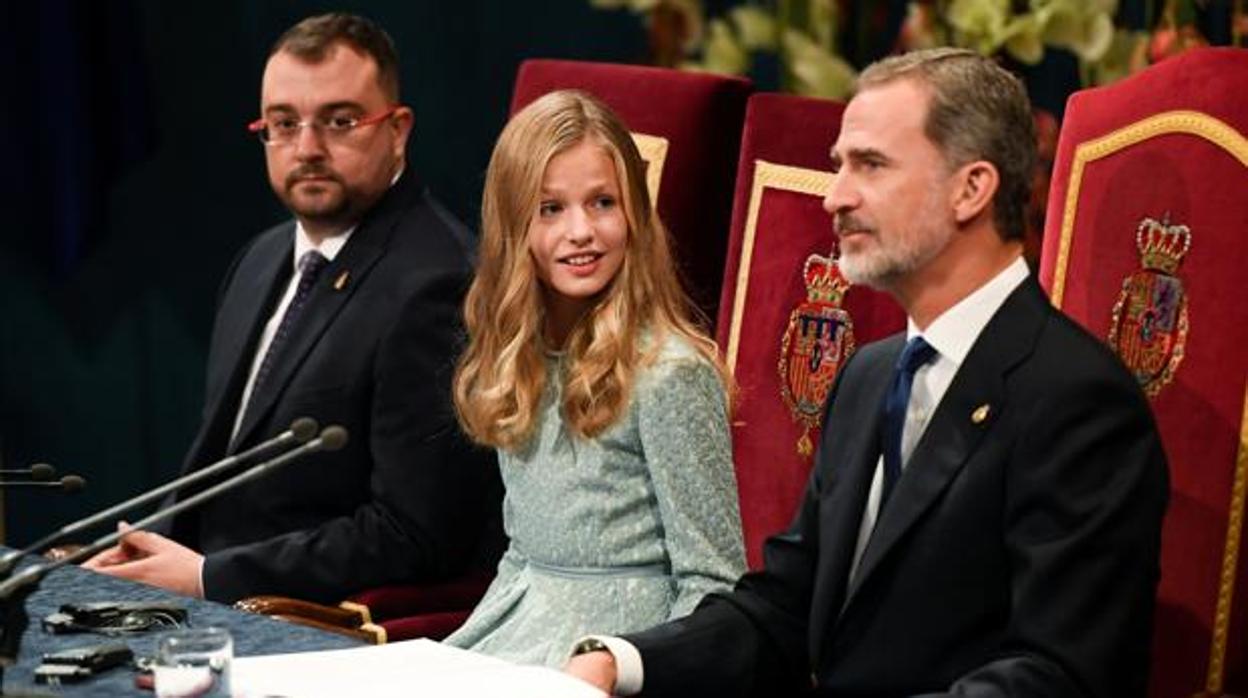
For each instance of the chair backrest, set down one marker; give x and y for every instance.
(787, 320)
(687, 127)
(1146, 245)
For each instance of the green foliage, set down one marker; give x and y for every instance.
(802, 33)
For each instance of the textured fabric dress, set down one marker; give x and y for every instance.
(616, 533)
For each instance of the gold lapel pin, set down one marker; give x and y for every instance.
(341, 282)
(980, 414)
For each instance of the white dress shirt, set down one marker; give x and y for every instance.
(329, 248)
(951, 334)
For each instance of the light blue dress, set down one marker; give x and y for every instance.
(616, 533)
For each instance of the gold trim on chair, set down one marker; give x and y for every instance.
(653, 150)
(367, 625)
(1233, 142)
(377, 632)
(766, 174)
(348, 618)
(1190, 122)
(365, 613)
(1230, 560)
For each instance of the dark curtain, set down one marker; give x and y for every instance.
(129, 183)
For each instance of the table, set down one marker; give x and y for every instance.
(253, 634)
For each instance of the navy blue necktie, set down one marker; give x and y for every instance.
(917, 353)
(310, 266)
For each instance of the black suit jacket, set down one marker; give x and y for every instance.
(407, 499)
(1017, 555)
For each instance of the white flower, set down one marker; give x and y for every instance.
(755, 27)
(723, 53)
(817, 72)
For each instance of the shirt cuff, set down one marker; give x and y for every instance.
(202, 558)
(628, 670)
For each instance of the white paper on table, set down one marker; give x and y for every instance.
(410, 668)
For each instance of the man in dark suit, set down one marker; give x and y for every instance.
(983, 517)
(350, 315)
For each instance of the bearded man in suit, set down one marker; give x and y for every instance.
(348, 314)
(983, 517)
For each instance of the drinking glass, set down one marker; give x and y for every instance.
(194, 663)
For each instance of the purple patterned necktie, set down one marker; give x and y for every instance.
(310, 266)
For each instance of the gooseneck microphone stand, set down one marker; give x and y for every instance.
(300, 431)
(16, 589)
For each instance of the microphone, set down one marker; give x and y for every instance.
(15, 589)
(38, 471)
(300, 431)
(69, 483)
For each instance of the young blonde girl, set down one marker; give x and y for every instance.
(605, 401)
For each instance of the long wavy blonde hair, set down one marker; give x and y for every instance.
(501, 376)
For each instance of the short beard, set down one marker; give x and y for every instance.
(879, 268)
(342, 210)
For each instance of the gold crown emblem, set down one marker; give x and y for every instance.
(1161, 244)
(824, 283)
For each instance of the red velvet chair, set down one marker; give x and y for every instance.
(384, 614)
(687, 126)
(425, 610)
(1146, 245)
(787, 320)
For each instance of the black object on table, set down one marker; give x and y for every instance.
(253, 634)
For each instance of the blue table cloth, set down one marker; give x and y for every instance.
(252, 634)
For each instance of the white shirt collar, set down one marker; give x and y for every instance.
(954, 331)
(330, 246)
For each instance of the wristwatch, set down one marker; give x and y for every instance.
(589, 644)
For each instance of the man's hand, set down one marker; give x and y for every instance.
(115, 555)
(594, 668)
(152, 559)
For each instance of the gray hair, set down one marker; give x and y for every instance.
(978, 111)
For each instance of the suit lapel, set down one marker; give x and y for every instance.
(328, 297)
(242, 321)
(850, 453)
(956, 430)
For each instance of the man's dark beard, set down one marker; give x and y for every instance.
(346, 211)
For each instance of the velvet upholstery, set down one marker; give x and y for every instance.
(777, 223)
(1169, 144)
(688, 125)
(409, 611)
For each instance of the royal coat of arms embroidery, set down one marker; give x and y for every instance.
(817, 341)
(1149, 324)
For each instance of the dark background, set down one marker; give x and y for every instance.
(129, 182)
